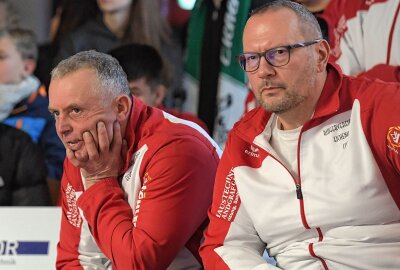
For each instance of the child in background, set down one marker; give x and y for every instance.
(24, 103)
(148, 77)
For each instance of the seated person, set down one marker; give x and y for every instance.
(312, 174)
(22, 170)
(137, 181)
(23, 102)
(148, 77)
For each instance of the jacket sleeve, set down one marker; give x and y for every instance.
(172, 204)
(231, 241)
(76, 249)
(30, 180)
(383, 72)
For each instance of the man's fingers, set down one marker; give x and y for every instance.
(124, 149)
(90, 146)
(104, 142)
(117, 139)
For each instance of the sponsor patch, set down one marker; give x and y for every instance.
(73, 215)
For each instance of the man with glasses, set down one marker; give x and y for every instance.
(313, 174)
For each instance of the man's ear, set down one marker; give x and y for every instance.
(159, 94)
(123, 106)
(29, 67)
(323, 53)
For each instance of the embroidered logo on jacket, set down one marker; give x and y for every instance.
(72, 213)
(252, 152)
(230, 198)
(393, 137)
(141, 196)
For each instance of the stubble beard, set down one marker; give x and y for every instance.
(288, 101)
(290, 97)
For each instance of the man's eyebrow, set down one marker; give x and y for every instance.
(70, 106)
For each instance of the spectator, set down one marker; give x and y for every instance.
(23, 102)
(68, 16)
(122, 22)
(142, 205)
(365, 37)
(147, 76)
(299, 172)
(22, 170)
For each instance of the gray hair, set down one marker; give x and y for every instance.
(112, 80)
(25, 41)
(310, 23)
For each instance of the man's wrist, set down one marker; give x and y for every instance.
(90, 181)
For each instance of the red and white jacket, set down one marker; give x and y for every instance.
(365, 37)
(153, 216)
(343, 210)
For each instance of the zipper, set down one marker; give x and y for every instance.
(299, 193)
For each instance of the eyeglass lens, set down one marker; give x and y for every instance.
(275, 57)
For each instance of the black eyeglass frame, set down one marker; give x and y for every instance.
(264, 54)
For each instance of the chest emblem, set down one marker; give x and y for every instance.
(72, 213)
(393, 137)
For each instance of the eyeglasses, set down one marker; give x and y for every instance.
(276, 57)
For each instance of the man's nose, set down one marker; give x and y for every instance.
(265, 69)
(62, 125)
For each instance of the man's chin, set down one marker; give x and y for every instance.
(81, 155)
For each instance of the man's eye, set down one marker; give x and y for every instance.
(280, 51)
(54, 114)
(76, 110)
(252, 57)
